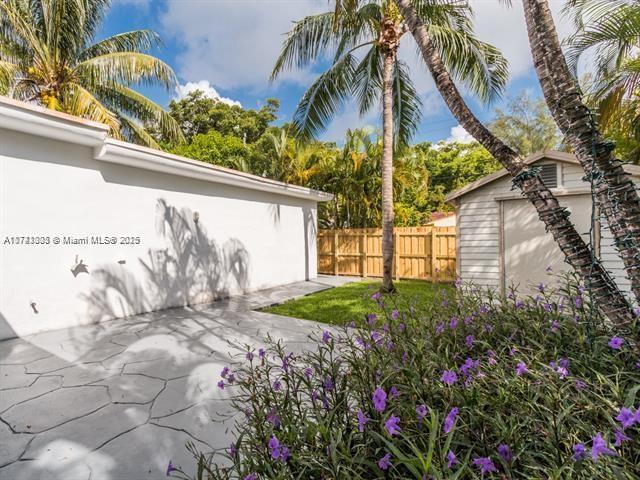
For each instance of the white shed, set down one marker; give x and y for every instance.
(501, 241)
(92, 228)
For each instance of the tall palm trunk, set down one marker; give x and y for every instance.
(556, 218)
(614, 190)
(389, 42)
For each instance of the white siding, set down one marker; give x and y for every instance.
(479, 229)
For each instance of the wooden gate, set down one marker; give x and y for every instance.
(427, 253)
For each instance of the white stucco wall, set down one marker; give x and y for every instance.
(245, 239)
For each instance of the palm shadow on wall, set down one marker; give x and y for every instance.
(191, 269)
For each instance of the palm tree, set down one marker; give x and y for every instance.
(47, 55)
(614, 190)
(556, 219)
(377, 74)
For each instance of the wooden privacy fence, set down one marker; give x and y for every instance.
(427, 253)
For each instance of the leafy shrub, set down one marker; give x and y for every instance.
(469, 387)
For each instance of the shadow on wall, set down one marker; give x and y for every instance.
(192, 269)
(310, 232)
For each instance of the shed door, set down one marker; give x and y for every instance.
(528, 249)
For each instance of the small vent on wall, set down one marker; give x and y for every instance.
(549, 175)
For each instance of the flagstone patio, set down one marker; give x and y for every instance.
(120, 399)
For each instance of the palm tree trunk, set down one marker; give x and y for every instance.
(556, 218)
(387, 171)
(614, 190)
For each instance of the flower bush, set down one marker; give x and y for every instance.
(474, 386)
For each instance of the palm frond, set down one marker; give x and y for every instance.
(309, 39)
(81, 103)
(8, 72)
(324, 97)
(407, 106)
(367, 83)
(134, 41)
(134, 105)
(476, 64)
(133, 132)
(125, 68)
(613, 36)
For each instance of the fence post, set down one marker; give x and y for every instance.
(335, 252)
(434, 260)
(363, 247)
(396, 249)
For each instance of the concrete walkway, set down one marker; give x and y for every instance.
(120, 399)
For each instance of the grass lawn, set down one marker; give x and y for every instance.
(349, 302)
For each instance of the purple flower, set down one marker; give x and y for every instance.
(484, 464)
(221, 384)
(439, 328)
(620, 438)
(421, 412)
(249, 356)
(251, 476)
(284, 454)
(326, 336)
(453, 323)
(376, 296)
(224, 372)
(308, 372)
(362, 421)
(578, 302)
(451, 459)
(579, 384)
(616, 343)
(541, 287)
(547, 307)
(469, 341)
(277, 385)
(405, 357)
(170, 468)
(392, 425)
(599, 447)
(274, 447)
(395, 314)
(626, 417)
(393, 391)
(385, 462)
(379, 400)
(458, 282)
(555, 326)
(372, 318)
(484, 309)
(233, 450)
(505, 452)
(449, 377)
(273, 418)
(450, 419)
(261, 353)
(579, 452)
(328, 383)
(469, 365)
(521, 369)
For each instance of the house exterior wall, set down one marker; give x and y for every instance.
(480, 228)
(178, 240)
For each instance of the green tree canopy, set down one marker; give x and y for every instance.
(198, 114)
(526, 125)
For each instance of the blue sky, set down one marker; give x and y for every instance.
(229, 46)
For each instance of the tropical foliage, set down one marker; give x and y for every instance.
(607, 37)
(48, 55)
(526, 125)
(423, 173)
(467, 387)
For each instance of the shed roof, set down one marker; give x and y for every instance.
(36, 120)
(544, 155)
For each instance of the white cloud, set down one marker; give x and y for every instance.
(232, 43)
(459, 134)
(183, 90)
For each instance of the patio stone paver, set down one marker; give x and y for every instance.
(119, 399)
